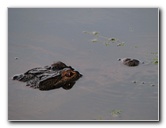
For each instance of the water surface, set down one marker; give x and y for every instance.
(39, 37)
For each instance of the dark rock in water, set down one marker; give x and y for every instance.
(50, 77)
(129, 62)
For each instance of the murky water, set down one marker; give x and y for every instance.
(106, 91)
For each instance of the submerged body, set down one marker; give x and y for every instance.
(50, 77)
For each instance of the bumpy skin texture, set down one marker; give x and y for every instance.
(129, 62)
(50, 77)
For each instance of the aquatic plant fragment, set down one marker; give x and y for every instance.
(155, 60)
(94, 40)
(107, 44)
(95, 33)
(112, 39)
(121, 44)
(116, 112)
(104, 39)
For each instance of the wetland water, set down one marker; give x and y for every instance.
(106, 91)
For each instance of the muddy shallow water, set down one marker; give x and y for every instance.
(38, 37)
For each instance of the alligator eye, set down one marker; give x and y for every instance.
(69, 74)
(53, 68)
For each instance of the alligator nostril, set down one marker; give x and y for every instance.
(80, 75)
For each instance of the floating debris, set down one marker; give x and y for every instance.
(155, 58)
(121, 44)
(116, 112)
(95, 33)
(94, 40)
(143, 83)
(104, 39)
(107, 44)
(155, 61)
(112, 39)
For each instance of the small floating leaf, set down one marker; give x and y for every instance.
(95, 33)
(94, 40)
(107, 44)
(116, 112)
(155, 62)
(103, 39)
(121, 44)
(112, 39)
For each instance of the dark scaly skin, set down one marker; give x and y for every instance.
(59, 65)
(66, 80)
(50, 77)
(32, 73)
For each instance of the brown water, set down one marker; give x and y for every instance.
(106, 91)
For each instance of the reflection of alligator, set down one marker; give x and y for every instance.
(129, 62)
(50, 77)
